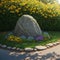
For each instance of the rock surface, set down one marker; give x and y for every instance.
(40, 47)
(13, 48)
(28, 49)
(4, 46)
(9, 47)
(28, 26)
(50, 44)
(18, 49)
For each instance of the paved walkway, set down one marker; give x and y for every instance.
(49, 54)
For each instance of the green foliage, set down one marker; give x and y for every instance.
(47, 15)
(55, 36)
(48, 1)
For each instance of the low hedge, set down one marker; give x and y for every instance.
(47, 15)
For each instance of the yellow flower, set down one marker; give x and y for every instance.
(42, 14)
(12, 7)
(12, 1)
(33, 11)
(39, 10)
(12, 11)
(11, 39)
(49, 11)
(17, 39)
(36, 11)
(45, 16)
(54, 15)
(34, 8)
(50, 15)
(17, 10)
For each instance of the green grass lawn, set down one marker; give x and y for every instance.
(55, 36)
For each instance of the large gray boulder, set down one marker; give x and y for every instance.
(28, 26)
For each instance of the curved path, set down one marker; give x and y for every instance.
(49, 54)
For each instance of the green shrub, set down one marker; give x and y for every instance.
(47, 15)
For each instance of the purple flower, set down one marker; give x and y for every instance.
(39, 38)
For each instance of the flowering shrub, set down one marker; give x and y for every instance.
(20, 39)
(33, 6)
(39, 38)
(44, 36)
(47, 15)
(14, 38)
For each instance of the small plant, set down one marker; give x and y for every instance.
(14, 38)
(39, 38)
(30, 38)
(46, 35)
(7, 34)
(23, 37)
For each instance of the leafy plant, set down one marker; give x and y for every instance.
(47, 15)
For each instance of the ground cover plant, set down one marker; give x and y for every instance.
(23, 43)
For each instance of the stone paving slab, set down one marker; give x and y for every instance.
(50, 44)
(28, 49)
(9, 47)
(40, 47)
(3, 46)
